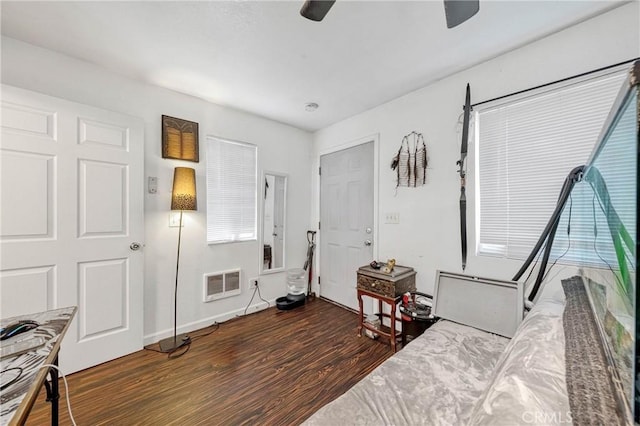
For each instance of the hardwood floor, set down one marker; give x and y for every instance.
(272, 367)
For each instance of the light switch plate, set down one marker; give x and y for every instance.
(174, 220)
(392, 218)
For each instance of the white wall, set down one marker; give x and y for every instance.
(281, 148)
(428, 236)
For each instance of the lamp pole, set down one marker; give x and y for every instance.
(175, 294)
(183, 198)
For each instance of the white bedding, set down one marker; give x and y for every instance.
(436, 379)
(528, 385)
(454, 374)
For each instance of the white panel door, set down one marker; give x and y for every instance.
(71, 199)
(346, 221)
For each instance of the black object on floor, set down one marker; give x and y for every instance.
(290, 301)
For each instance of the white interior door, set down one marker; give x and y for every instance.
(346, 220)
(71, 198)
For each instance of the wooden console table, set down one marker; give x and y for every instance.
(18, 398)
(385, 288)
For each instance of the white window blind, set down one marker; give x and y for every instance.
(231, 191)
(525, 149)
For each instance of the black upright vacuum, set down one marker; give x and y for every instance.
(308, 264)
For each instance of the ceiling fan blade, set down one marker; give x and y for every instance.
(458, 11)
(316, 9)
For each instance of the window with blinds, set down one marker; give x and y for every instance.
(526, 146)
(231, 191)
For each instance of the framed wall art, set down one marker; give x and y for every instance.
(180, 139)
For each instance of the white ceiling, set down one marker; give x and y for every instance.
(263, 57)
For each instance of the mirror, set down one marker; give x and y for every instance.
(274, 197)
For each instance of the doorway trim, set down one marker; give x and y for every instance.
(375, 138)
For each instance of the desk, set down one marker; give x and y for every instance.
(17, 400)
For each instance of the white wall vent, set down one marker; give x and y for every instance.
(223, 284)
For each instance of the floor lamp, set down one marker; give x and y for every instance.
(183, 198)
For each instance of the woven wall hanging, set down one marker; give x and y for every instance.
(410, 162)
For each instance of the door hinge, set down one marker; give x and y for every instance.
(318, 279)
(320, 170)
(318, 226)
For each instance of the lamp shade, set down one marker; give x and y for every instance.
(184, 189)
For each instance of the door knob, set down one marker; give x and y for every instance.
(367, 242)
(135, 246)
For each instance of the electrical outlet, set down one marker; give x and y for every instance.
(152, 184)
(253, 283)
(392, 218)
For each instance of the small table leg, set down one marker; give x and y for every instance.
(393, 327)
(404, 333)
(53, 392)
(360, 315)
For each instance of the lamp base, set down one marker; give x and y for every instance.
(170, 344)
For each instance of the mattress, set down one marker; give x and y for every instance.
(435, 379)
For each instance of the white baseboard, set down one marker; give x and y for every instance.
(205, 322)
